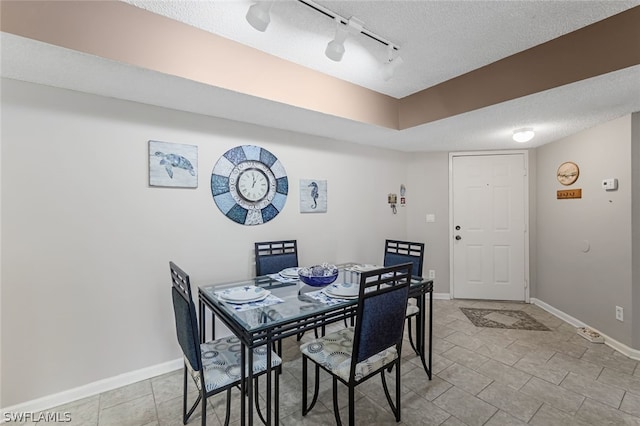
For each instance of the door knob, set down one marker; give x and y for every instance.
(458, 237)
(457, 227)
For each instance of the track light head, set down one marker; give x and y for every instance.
(393, 62)
(258, 15)
(389, 69)
(335, 48)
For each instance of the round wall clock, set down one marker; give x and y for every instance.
(568, 173)
(249, 185)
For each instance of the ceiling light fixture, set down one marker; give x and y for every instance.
(523, 135)
(393, 61)
(335, 48)
(258, 15)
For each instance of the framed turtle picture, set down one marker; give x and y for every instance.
(313, 196)
(173, 165)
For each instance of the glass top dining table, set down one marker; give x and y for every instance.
(291, 307)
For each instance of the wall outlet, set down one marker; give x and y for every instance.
(619, 313)
(432, 275)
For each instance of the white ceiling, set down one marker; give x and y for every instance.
(438, 40)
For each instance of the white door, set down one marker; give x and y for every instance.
(489, 227)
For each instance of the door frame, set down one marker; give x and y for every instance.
(525, 154)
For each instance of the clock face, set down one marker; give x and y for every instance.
(253, 185)
(249, 185)
(568, 173)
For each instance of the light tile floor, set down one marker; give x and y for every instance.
(482, 376)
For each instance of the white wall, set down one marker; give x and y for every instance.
(86, 242)
(428, 193)
(587, 285)
(635, 228)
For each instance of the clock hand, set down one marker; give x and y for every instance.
(567, 175)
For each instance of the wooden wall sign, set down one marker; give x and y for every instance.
(566, 194)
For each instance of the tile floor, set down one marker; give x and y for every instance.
(482, 376)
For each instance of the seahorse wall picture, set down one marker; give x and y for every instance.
(313, 196)
(173, 164)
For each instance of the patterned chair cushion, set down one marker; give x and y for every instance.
(412, 310)
(333, 352)
(221, 362)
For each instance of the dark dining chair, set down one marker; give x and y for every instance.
(373, 346)
(398, 252)
(214, 366)
(274, 256)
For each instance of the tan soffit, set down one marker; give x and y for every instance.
(603, 47)
(127, 34)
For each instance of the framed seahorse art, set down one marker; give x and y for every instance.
(173, 165)
(313, 196)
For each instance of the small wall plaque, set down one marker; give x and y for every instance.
(566, 194)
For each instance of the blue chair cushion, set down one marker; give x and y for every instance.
(274, 263)
(398, 259)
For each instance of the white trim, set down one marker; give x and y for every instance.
(441, 296)
(525, 154)
(620, 347)
(94, 388)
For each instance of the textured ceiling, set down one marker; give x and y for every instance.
(438, 40)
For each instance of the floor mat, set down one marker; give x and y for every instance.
(500, 318)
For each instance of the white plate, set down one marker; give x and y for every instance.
(343, 290)
(290, 272)
(249, 293)
(240, 302)
(335, 296)
(365, 268)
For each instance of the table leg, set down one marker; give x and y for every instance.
(250, 401)
(269, 346)
(243, 384)
(430, 328)
(420, 333)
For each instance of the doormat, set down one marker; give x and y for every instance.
(499, 318)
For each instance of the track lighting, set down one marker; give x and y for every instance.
(258, 15)
(393, 62)
(335, 48)
(523, 135)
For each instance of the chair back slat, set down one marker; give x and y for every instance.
(381, 311)
(185, 316)
(274, 256)
(397, 252)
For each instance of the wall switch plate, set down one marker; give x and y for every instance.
(432, 274)
(431, 217)
(610, 184)
(619, 313)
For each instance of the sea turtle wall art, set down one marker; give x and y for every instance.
(173, 164)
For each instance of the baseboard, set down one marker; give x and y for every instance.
(91, 389)
(441, 296)
(620, 347)
(565, 317)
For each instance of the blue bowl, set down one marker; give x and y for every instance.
(318, 280)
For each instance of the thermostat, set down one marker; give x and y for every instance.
(610, 184)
